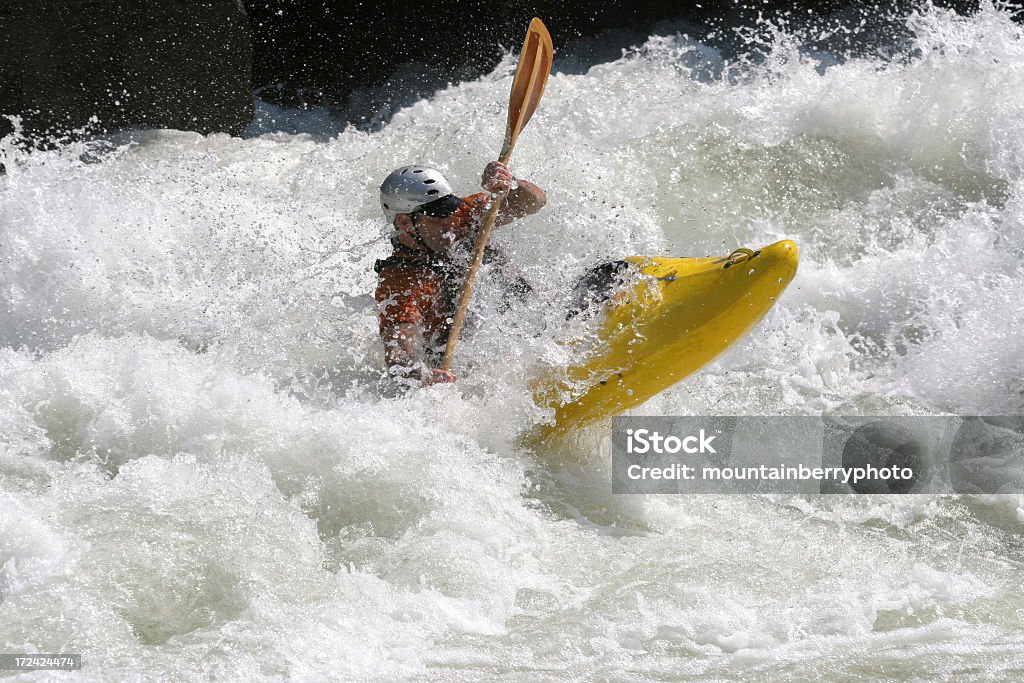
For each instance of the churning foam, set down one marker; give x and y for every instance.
(200, 469)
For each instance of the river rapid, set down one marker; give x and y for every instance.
(203, 474)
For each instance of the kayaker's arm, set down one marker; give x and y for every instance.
(524, 200)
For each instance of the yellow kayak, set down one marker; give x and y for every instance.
(670, 319)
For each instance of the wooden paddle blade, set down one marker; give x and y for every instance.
(528, 85)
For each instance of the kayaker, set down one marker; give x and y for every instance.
(434, 230)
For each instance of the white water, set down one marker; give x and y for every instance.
(202, 476)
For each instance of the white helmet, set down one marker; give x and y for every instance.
(409, 188)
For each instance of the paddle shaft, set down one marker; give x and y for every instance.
(527, 88)
(467, 288)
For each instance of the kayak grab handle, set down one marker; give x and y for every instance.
(739, 256)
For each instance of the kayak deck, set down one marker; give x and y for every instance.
(664, 325)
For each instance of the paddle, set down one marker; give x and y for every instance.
(527, 88)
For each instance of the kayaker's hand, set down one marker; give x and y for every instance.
(420, 374)
(497, 178)
(437, 376)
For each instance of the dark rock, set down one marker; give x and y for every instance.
(182, 64)
(311, 52)
(884, 445)
(193, 64)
